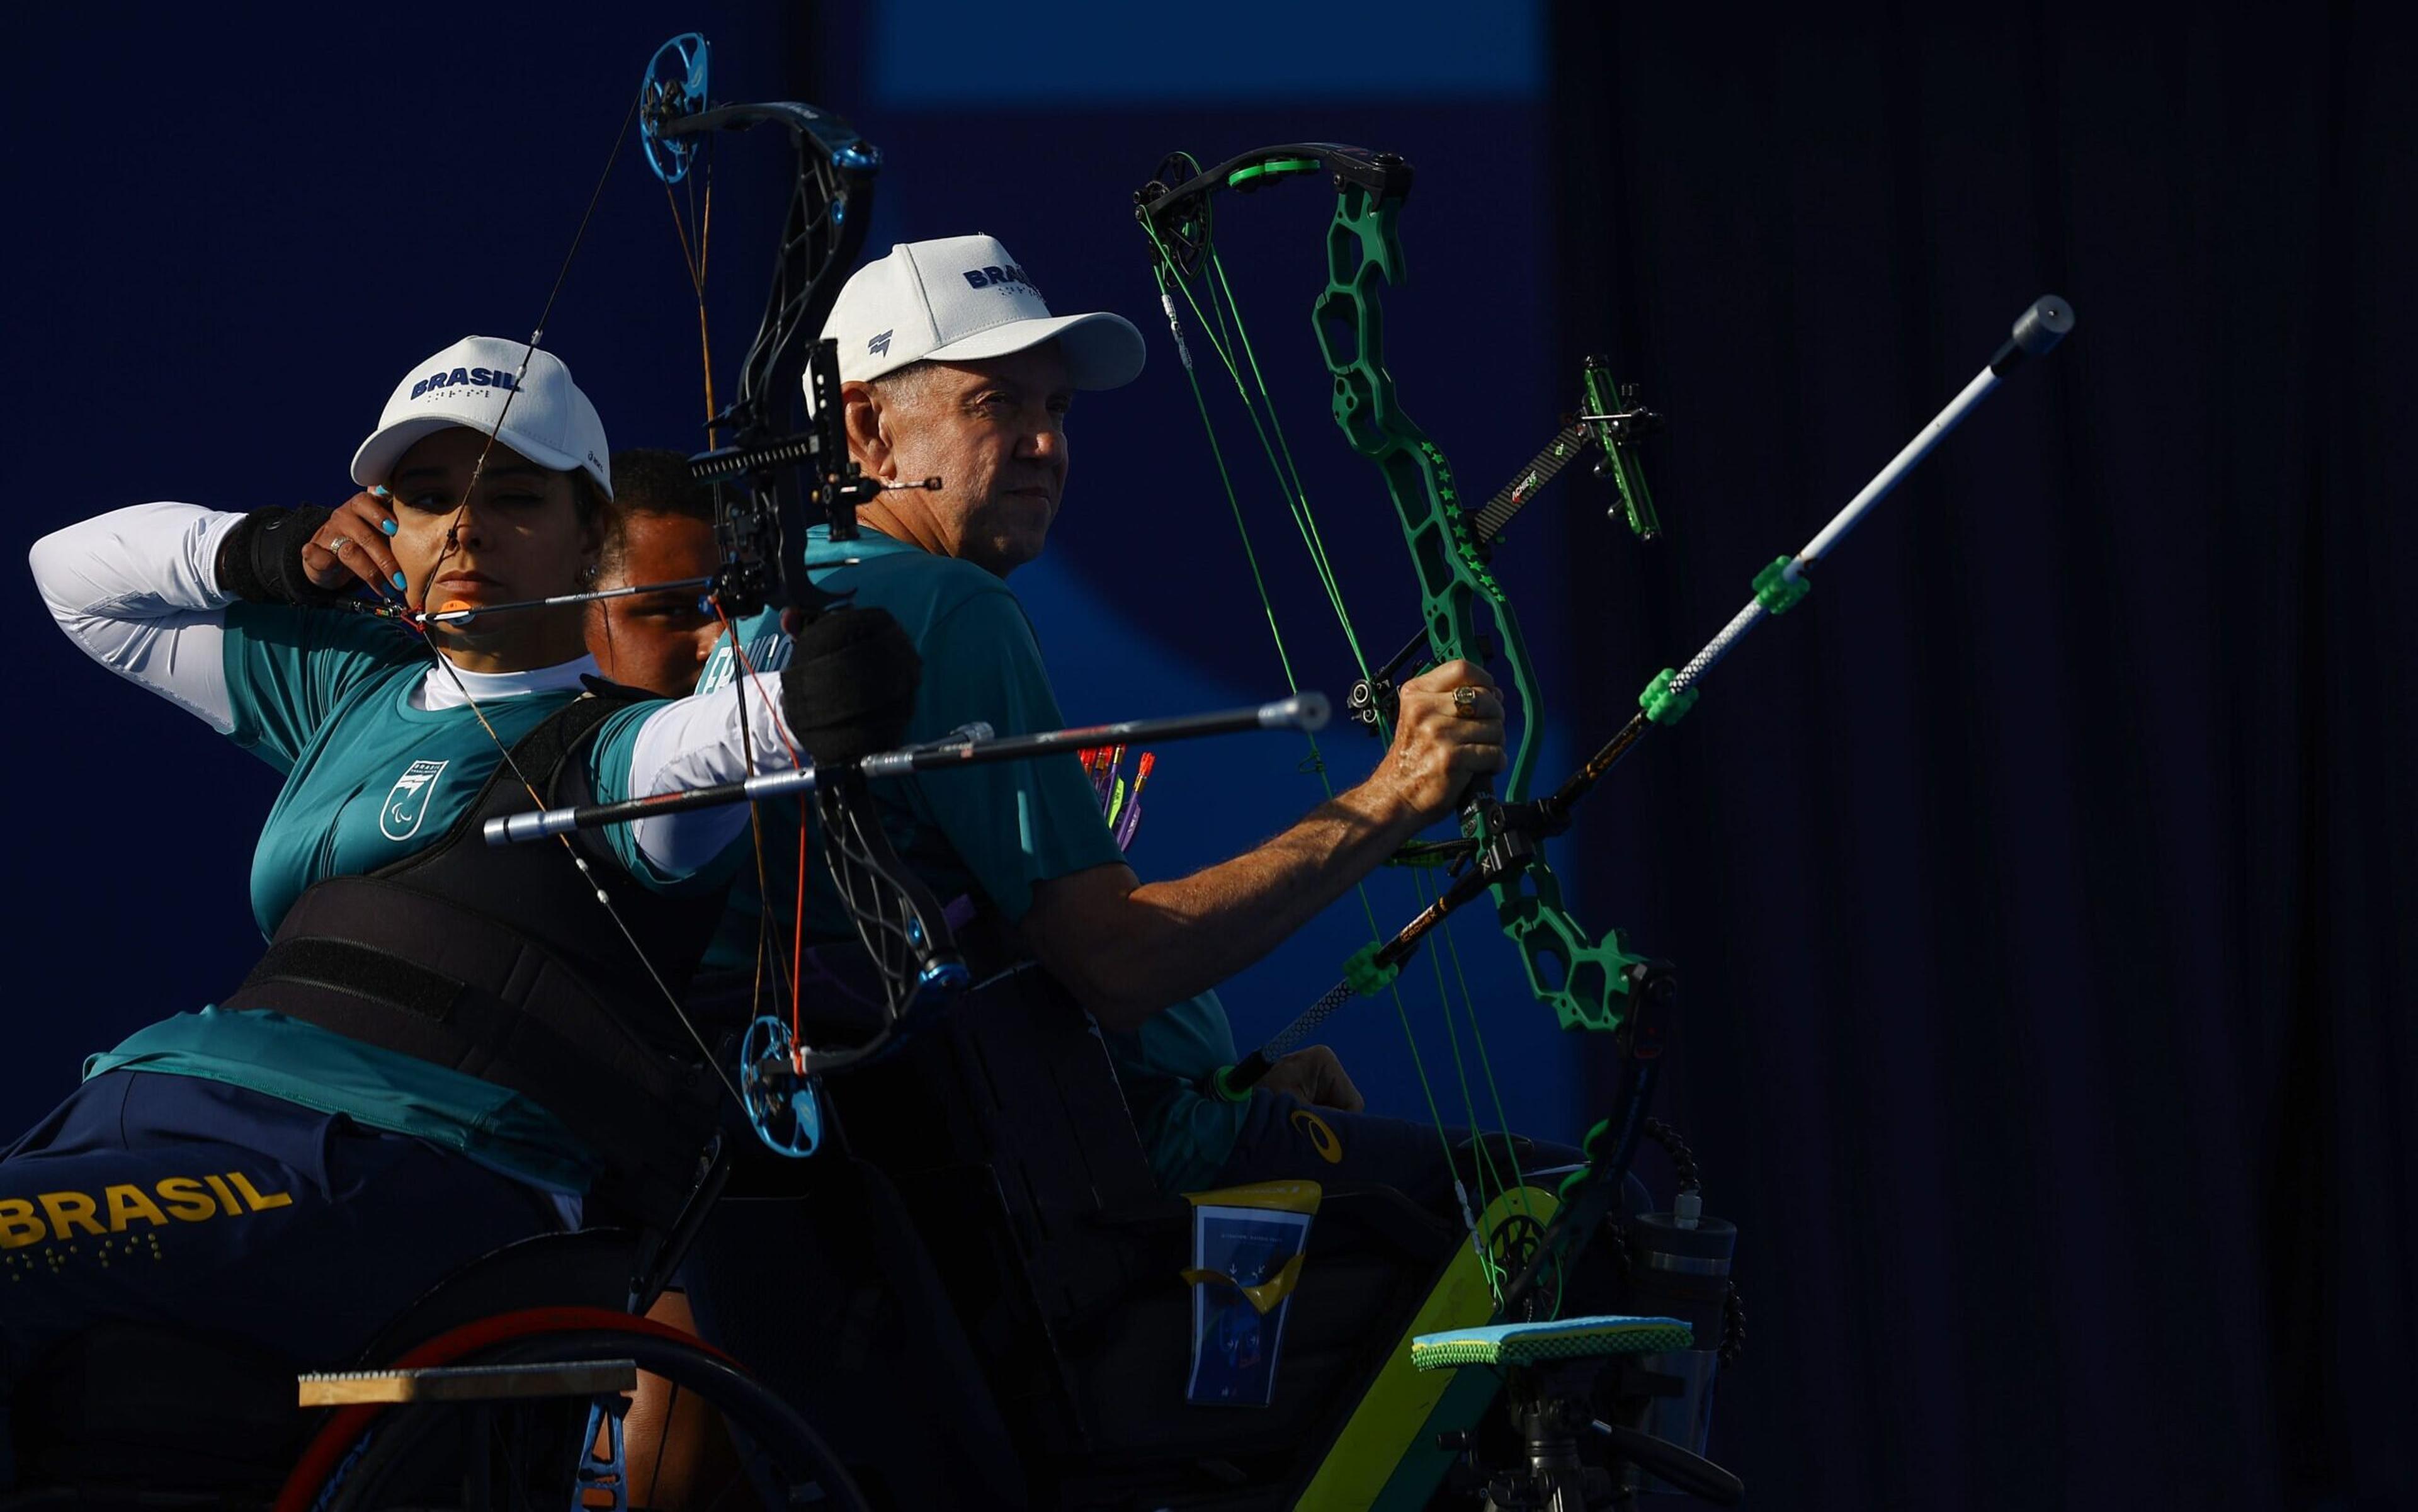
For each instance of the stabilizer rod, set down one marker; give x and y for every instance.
(1302, 711)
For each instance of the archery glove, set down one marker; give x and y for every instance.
(850, 688)
(260, 560)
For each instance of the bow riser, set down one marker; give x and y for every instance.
(1363, 250)
(1583, 978)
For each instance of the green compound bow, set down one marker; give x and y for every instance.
(1586, 977)
(1466, 615)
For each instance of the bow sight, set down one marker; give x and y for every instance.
(1610, 419)
(1463, 612)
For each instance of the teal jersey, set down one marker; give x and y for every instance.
(993, 832)
(369, 779)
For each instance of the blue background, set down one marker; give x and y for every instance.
(248, 272)
(2042, 889)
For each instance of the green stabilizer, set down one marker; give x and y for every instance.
(1776, 592)
(1366, 974)
(1661, 705)
(1572, 1182)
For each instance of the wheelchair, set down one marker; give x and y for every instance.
(986, 1178)
(980, 1279)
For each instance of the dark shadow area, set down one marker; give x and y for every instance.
(2041, 886)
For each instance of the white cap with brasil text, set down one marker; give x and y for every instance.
(960, 298)
(477, 383)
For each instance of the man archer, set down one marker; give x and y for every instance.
(953, 367)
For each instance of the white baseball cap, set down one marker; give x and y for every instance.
(962, 298)
(479, 383)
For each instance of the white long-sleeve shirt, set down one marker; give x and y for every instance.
(138, 589)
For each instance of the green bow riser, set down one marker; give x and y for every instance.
(1464, 611)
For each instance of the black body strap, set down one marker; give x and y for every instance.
(500, 964)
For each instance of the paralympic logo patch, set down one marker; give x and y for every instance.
(407, 802)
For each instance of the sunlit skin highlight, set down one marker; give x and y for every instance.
(994, 432)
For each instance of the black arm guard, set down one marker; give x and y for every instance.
(260, 561)
(850, 689)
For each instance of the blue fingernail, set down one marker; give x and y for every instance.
(387, 526)
(398, 582)
(379, 490)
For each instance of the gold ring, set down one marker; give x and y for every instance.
(1464, 698)
(340, 543)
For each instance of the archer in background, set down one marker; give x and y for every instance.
(659, 528)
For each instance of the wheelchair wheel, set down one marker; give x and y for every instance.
(567, 1453)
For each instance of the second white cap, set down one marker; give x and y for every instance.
(959, 299)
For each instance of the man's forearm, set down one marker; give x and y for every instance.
(1161, 944)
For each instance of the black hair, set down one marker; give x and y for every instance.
(652, 481)
(587, 500)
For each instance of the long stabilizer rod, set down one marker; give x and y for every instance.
(1777, 588)
(1302, 711)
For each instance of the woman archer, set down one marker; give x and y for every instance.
(445, 1048)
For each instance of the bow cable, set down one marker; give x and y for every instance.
(1222, 328)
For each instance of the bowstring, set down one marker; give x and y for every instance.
(513, 764)
(537, 336)
(694, 253)
(783, 981)
(1221, 326)
(763, 918)
(478, 469)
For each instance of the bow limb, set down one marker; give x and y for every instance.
(1464, 612)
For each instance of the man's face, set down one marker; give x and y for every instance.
(994, 431)
(656, 641)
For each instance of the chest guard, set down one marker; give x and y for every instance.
(497, 962)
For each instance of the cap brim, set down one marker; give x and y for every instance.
(375, 462)
(1103, 350)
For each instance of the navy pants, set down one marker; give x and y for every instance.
(1284, 1137)
(186, 1203)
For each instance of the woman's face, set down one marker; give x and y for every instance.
(518, 535)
